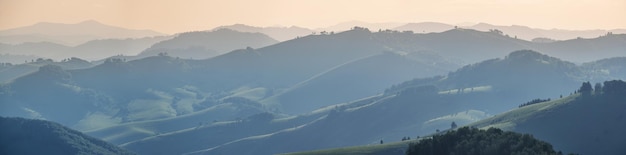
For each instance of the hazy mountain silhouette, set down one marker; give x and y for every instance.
(70, 34)
(278, 33)
(27, 136)
(90, 50)
(527, 33)
(586, 50)
(425, 27)
(207, 44)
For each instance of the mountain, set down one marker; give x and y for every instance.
(203, 45)
(579, 50)
(90, 50)
(278, 33)
(560, 123)
(70, 34)
(28, 136)
(527, 33)
(425, 27)
(474, 46)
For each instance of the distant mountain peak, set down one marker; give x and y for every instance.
(71, 34)
(91, 21)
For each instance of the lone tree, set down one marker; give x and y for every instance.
(453, 125)
(586, 88)
(597, 89)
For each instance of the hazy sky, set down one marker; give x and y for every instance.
(171, 16)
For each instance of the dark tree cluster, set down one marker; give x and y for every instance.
(472, 141)
(534, 101)
(615, 88)
(406, 138)
(5, 64)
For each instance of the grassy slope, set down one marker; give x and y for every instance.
(505, 121)
(133, 131)
(216, 134)
(509, 120)
(386, 149)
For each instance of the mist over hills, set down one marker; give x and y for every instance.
(277, 74)
(97, 48)
(91, 50)
(331, 89)
(70, 34)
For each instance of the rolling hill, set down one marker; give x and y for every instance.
(594, 130)
(26, 136)
(207, 44)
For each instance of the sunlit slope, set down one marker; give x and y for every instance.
(580, 123)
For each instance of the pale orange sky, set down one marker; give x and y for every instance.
(172, 16)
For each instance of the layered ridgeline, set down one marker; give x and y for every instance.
(416, 107)
(20, 43)
(189, 45)
(207, 44)
(278, 33)
(286, 78)
(181, 86)
(91, 50)
(70, 34)
(32, 137)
